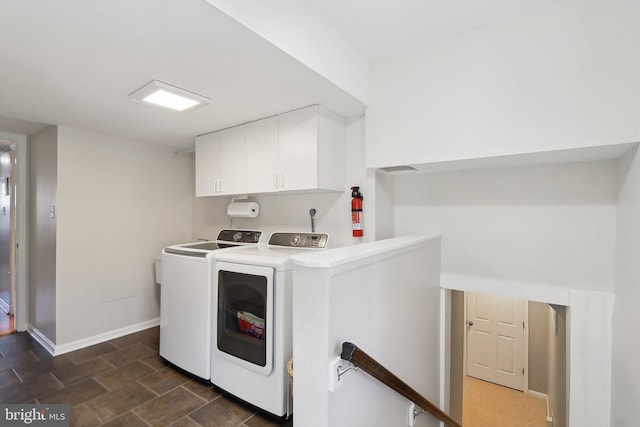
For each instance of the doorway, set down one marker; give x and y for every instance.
(7, 252)
(7, 238)
(545, 356)
(13, 232)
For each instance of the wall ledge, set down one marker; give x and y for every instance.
(512, 160)
(522, 290)
(348, 258)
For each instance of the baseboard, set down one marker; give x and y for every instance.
(544, 397)
(42, 339)
(57, 350)
(537, 394)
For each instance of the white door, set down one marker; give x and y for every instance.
(495, 339)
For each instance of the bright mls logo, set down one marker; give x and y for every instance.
(34, 415)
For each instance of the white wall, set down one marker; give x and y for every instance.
(626, 348)
(550, 227)
(119, 203)
(385, 205)
(383, 296)
(548, 357)
(539, 330)
(290, 212)
(546, 225)
(557, 374)
(533, 233)
(562, 76)
(42, 232)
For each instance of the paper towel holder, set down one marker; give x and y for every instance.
(242, 209)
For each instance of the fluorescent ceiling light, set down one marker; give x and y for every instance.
(167, 96)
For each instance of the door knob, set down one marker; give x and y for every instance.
(470, 323)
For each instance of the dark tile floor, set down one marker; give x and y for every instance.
(122, 382)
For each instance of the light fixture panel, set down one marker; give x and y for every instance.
(170, 97)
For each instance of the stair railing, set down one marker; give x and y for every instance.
(362, 360)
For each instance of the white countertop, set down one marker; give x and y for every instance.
(354, 255)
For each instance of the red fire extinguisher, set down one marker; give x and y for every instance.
(356, 212)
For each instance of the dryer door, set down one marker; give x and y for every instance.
(244, 316)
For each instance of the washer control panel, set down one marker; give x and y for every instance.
(300, 240)
(240, 236)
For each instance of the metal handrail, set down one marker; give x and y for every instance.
(362, 360)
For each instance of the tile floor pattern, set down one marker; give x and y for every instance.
(122, 382)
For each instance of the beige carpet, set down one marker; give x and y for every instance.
(489, 405)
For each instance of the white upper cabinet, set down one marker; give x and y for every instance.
(298, 147)
(206, 165)
(262, 155)
(302, 150)
(220, 163)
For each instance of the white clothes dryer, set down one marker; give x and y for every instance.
(251, 323)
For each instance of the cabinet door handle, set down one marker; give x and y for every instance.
(281, 180)
(276, 180)
(220, 185)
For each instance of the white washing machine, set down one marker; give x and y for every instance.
(251, 323)
(185, 300)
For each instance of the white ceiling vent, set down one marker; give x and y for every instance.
(404, 168)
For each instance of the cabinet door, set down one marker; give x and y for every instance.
(232, 163)
(262, 156)
(206, 165)
(298, 149)
(221, 163)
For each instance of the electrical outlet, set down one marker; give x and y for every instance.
(335, 382)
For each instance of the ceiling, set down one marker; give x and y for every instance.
(74, 63)
(380, 29)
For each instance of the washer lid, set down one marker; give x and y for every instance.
(226, 239)
(199, 249)
(208, 246)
